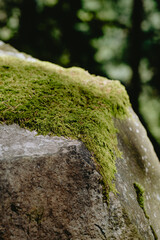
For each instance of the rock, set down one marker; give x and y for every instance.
(56, 187)
(7, 50)
(49, 188)
(138, 165)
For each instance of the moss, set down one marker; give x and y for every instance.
(140, 197)
(154, 233)
(36, 215)
(65, 102)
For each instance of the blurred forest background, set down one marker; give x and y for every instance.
(118, 39)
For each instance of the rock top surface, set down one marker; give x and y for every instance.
(17, 142)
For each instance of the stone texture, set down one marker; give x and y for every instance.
(50, 187)
(139, 164)
(50, 193)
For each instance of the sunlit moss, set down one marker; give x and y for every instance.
(65, 102)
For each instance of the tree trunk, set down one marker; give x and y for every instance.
(135, 54)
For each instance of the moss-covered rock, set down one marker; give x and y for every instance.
(64, 102)
(51, 185)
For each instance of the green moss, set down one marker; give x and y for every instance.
(140, 197)
(154, 233)
(65, 102)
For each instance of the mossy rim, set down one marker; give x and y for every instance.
(65, 102)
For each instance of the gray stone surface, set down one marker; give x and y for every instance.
(18, 142)
(49, 188)
(139, 164)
